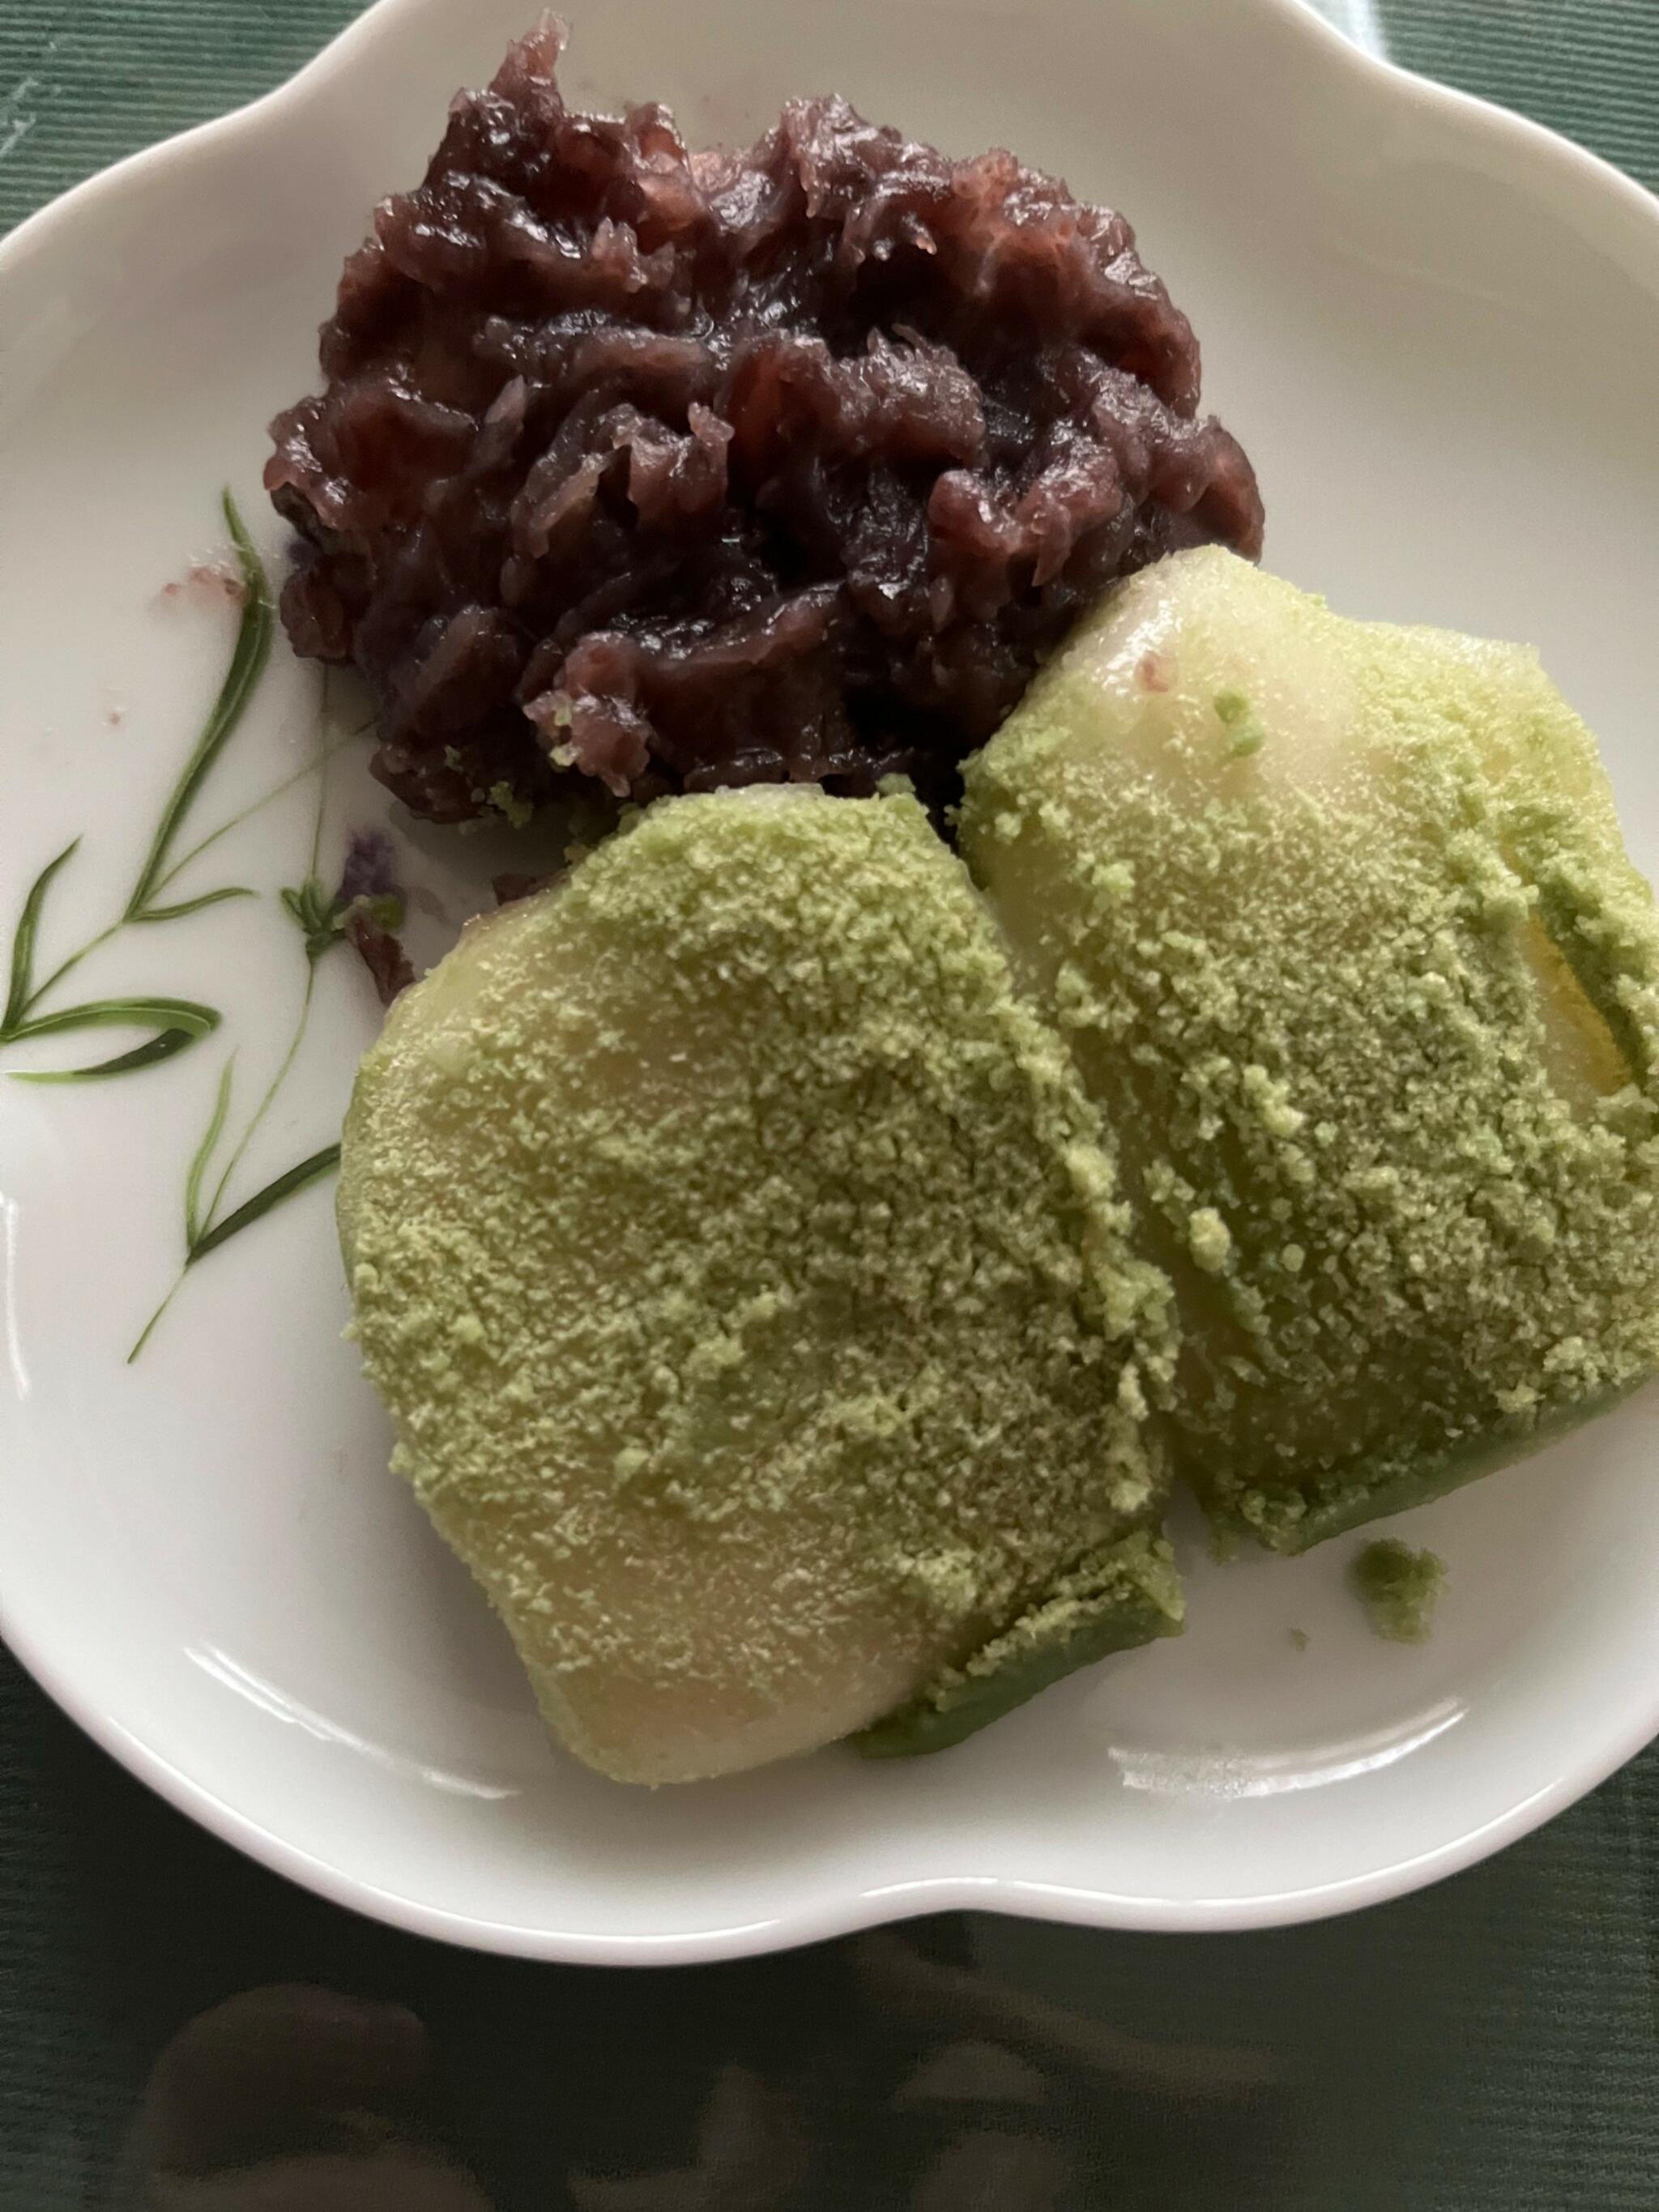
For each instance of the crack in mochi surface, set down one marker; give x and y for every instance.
(1338, 924)
(741, 1265)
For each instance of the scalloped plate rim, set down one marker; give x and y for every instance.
(1550, 158)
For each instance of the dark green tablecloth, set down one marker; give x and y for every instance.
(1494, 2043)
(84, 81)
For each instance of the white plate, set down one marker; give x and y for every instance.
(1436, 329)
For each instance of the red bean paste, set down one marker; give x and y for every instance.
(678, 469)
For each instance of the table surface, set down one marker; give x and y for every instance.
(179, 2029)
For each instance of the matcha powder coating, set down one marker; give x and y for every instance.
(742, 1264)
(1371, 1002)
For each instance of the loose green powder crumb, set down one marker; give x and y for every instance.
(1232, 705)
(1300, 1638)
(1234, 712)
(1210, 1240)
(507, 801)
(1398, 1589)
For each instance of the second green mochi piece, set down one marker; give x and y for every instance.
(1338, 925)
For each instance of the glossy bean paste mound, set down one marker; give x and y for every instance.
(675, 470)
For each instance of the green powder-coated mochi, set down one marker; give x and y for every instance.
(1338, 924)
(741, 1264)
